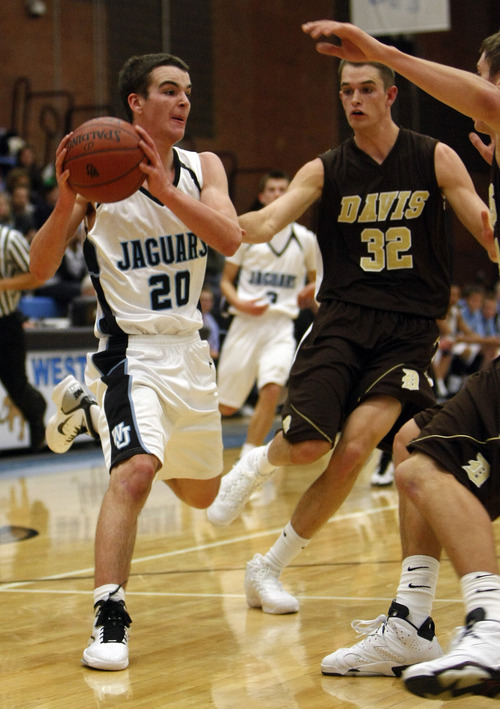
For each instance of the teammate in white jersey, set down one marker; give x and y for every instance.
(260, 342)
(153, 378)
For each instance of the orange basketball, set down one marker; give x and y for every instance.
(103, 158)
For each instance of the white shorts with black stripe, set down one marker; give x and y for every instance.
(158, 395)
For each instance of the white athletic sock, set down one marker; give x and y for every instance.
(417, 586)
(246, 448)
(264, 467)
(110, 591)
(481, 589)
(285, 548)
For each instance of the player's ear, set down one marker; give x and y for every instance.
(135, 103)
(392, 92)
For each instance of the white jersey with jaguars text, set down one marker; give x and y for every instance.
(147, 267)
(276, 271)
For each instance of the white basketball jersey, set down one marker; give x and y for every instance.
(147, 267)
(277, 270)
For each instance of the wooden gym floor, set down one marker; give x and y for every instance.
(194, 642)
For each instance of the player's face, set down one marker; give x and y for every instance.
(275, 187)
(364, 98)
(167, 106)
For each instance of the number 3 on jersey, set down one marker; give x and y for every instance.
(386, 250)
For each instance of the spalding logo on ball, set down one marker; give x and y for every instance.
(103, 158)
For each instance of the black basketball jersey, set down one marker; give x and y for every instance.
(381, 229)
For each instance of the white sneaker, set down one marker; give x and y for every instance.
(72, 416)
(472, 666)
(264, 590)
(108, 644)
(236, 488)
(393, 643)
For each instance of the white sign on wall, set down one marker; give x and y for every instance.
(45, 370)
(381, 17)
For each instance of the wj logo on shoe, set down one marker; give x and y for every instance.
(121, 435)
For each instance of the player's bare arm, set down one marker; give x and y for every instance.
(462, 90)
(213, 217)
(458, 188)
(49, 243)
(21, 281)
(303, 191)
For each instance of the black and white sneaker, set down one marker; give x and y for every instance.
(472, 666)
(391, 644)
(72, 416)
(108, 644)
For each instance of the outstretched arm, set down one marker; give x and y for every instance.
(458, 188)
(465, 92)
(302, 192)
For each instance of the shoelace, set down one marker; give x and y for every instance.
(75, 432)
(113, 619)
(240, 488)
(264, 575)
(366, 627)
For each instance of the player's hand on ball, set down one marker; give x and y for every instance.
(67, 194)
(154, 170)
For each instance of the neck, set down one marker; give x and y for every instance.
(378, 141)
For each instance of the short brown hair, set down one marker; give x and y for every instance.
(134, 76)
(490, 47)
(386, 73)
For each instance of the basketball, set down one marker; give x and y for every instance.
(103, 158)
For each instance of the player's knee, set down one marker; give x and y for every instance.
(308, 451)
(354, 454)
(409, 479)
(132, 479)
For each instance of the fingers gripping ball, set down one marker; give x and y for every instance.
(103, 158)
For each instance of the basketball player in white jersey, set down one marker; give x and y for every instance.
(260, 342)
(152, 377)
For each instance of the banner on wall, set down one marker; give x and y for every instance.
(381, 17)
(45, 370)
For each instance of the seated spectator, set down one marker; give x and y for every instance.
(209, 322)
(462, 349)
(5, 210)
(23, 211)
(26, 159)
(489, 315)
(470, 306)
(46, 203)
(489, 328)
(67, 281)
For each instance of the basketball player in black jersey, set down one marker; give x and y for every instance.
(449, 482)
(362, 369)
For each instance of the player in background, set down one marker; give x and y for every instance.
(152, 377)
(362, 369)
(449, 487)
(260, 342)
(14, 279)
